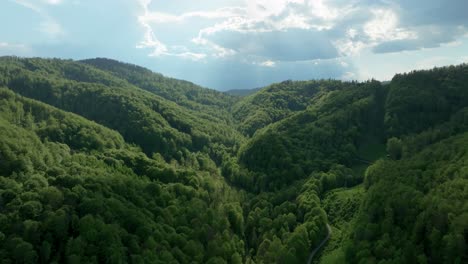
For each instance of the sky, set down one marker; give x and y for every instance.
(242, 44)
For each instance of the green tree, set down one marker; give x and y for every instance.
(395, 148)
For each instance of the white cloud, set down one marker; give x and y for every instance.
(349, 47)
(323, 11)
(351, 33)
(262, 9)
(4, 45)
(338, 28)
(381, 28)
(29, 5)
(278, 15)
(49, 26)
(259, 16)
(217, 50)
(455, 43)
(150, 41)
(53, 2)
(158, 47)
(191, 55)
(160, 17)
(268, 63)
(384, 27)
(293, 20)
(348, 76)
(14, 48)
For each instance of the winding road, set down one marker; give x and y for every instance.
(317, 248)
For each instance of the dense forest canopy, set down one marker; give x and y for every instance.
(107, 162)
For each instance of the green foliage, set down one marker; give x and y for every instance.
(342, 206)
(277, 102)
(64, 200)
(148, 120)
(414, 208)
(283, 226)
(415, 203)
(421, 99)
(394, 148)
(182, 92)
(326, 133)
(107, 162)
(242, 92)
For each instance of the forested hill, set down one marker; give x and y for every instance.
(108, 162)
(156, 124)
(182, 92)
(242, 92)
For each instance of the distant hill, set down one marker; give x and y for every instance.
(179, 91)
(242, 92)
(278, 101)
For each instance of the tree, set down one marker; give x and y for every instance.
(395, 148)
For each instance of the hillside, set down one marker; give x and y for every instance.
(278, 101)
(73, 191)
(143, 118)
(107, 162)
(242, 92)
(181, 92)
(328, 132)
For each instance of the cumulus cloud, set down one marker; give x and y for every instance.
(258, 28)
(426, 37)
(291, 45)
(425, 24)
(384, 27)
(304, 30)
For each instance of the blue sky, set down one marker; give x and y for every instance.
(239, 44)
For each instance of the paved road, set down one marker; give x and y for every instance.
(316, 249)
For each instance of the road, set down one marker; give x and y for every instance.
(317, 248)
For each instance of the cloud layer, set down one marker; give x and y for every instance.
(303, 30)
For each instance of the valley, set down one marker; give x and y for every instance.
(107, 162)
